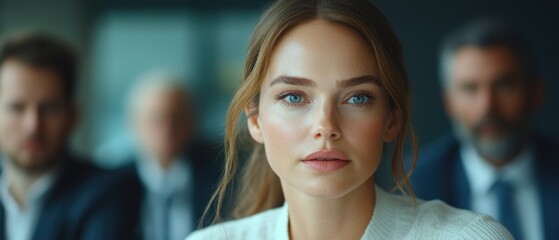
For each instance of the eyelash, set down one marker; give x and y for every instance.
(369, 101)
(282, 97)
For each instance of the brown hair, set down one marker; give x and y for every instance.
(259, 185)
(40, 50)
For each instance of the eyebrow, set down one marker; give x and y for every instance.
(293, 81)
(357, 81)
(340, 84)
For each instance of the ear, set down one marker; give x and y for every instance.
(393, 126)
(253, 125)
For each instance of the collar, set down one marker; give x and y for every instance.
(482, 175)
(282, 224)
(380, 226)
(37, 192)
(165, 182)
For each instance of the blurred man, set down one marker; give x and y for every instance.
(173, 174)
(495, 163)
(45, 192)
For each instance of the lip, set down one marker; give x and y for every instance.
(326, 160)
(491, 129)
(33, 145)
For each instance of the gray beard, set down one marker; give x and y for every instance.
(499, 149)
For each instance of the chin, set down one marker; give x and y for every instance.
(33, 164)
(327, 188)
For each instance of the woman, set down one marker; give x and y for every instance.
(324, 91)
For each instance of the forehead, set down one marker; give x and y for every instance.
(484, 64)
(159, 99)
(322, 50)
(19, 79)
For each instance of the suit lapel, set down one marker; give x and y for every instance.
(50, 221)
(462, 194)
(139, 192)
(548, 185)
(455, 183)
(2, 222)
(550, 210)
(196, 196)
(204, 177)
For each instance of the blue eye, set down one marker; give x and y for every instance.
(358, 99)
(293, 98)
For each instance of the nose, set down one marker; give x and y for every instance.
(32, 122)
(487, 101)
(326, 126)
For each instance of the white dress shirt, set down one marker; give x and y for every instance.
(520, 174)
(21, 222)
(167, 210)
(394, 217)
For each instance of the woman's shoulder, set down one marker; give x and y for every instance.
(433, 220)
(447, 222)
(258, 226)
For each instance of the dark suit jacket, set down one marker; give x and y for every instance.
(82, 204)
(440, 175)
(205, 161)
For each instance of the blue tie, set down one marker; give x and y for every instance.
(167, 218)
(508, 214)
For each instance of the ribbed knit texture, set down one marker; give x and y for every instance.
(394, 217)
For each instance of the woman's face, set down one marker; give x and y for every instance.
(323, 116)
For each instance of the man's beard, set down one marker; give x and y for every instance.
(498, 149)
(37, 167)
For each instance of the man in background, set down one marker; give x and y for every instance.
(46, 192)
(174, 174)
(494, 163)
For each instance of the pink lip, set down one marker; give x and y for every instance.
(326, 160)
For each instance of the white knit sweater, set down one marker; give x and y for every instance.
(394, 217)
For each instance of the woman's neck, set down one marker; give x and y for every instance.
(345, 217)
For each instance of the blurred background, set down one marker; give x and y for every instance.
(205, 42)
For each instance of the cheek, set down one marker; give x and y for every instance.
(513, 106)
(463, 109)
(148, 134)
(58, 127)
(366, 138)
(282, 132)
(8, 133)
(11, 128)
